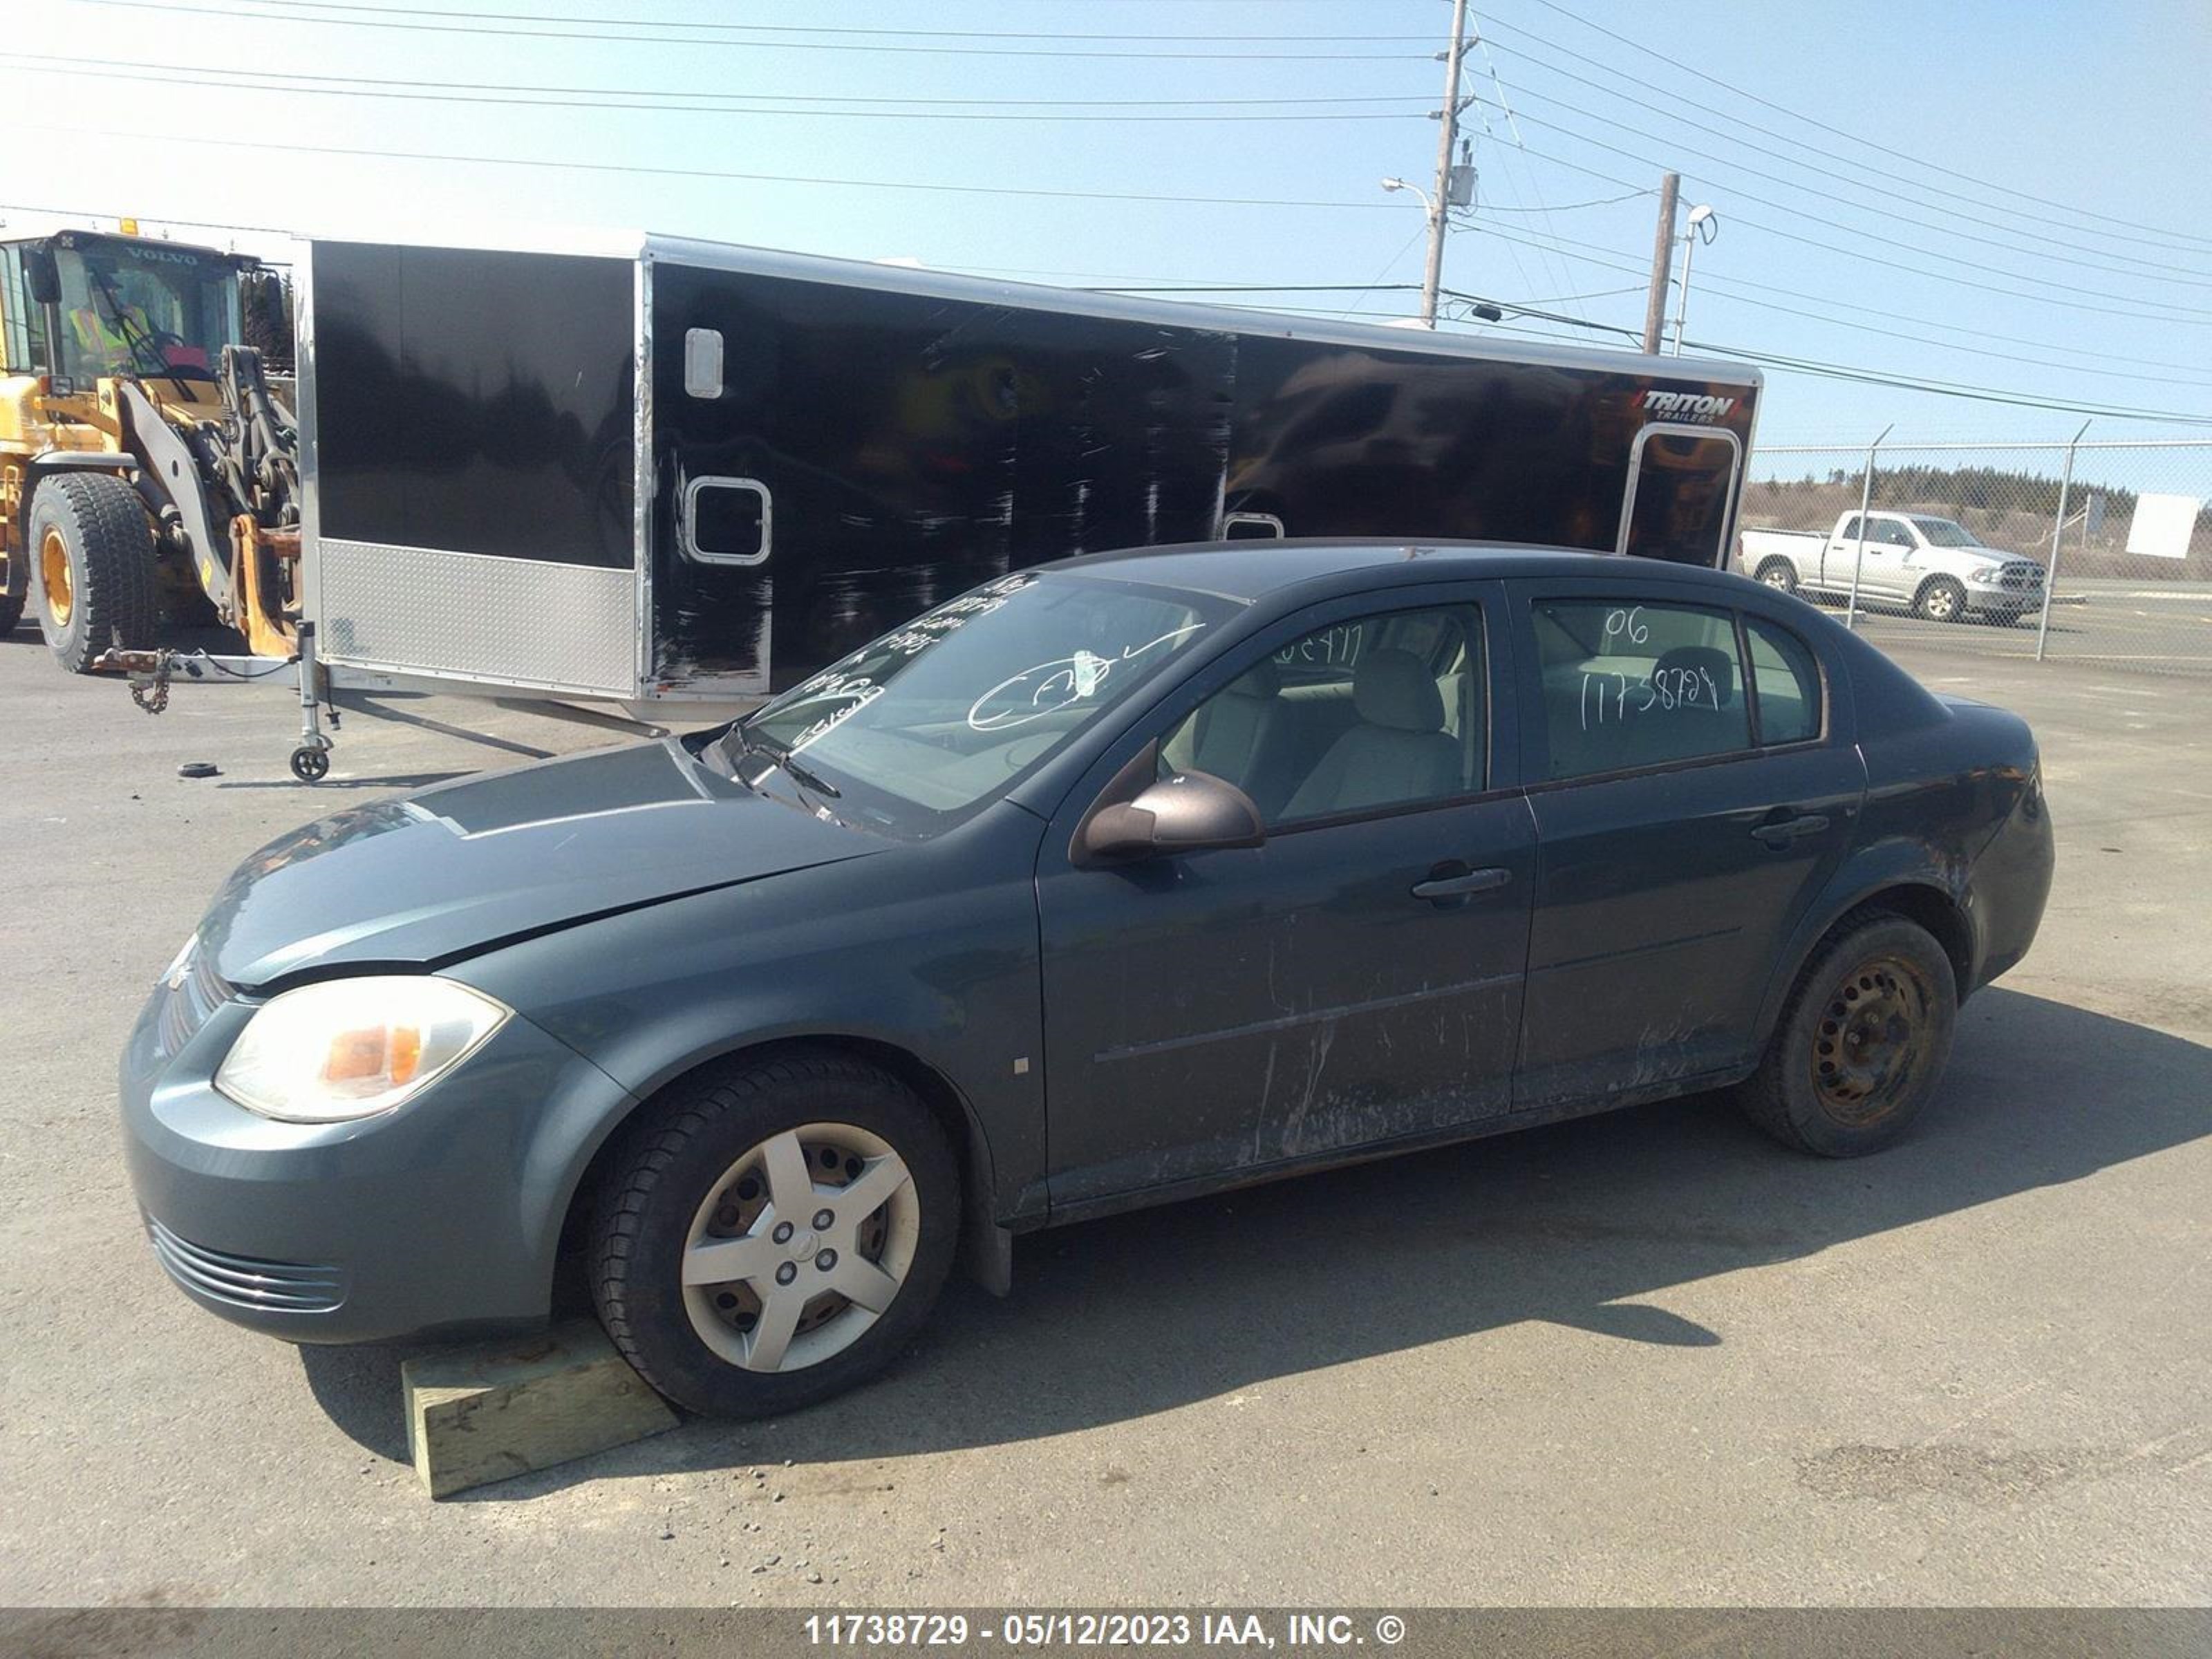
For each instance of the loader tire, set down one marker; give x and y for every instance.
(92, 558)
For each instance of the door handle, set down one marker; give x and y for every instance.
(1451, 887)
(1791, 828)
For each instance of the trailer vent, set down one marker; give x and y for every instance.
(703, 361)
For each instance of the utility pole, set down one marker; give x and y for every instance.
(1439, 205)
(1662, 259)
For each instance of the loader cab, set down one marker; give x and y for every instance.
(82, 307)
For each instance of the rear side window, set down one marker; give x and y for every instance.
(1629, 684)
(1787, 681)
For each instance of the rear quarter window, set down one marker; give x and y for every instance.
(1787, 680)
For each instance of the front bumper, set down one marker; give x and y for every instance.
(444, 1215)
(2008, 599)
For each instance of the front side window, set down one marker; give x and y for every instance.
(1372, 713)
(1945, 532)
(941, 715)
(1630, 684)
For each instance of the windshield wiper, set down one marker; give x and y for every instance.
(749, 742)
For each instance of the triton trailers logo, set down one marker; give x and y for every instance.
(1686, 406)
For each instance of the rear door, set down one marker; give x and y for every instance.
(1881, 570)
(1686, 811)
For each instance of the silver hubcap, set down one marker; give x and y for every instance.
(800, 1247)
(1939, 604)
(1778, 579)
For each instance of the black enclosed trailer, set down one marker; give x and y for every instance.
(659, 470)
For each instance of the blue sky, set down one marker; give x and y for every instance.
(2099, 293)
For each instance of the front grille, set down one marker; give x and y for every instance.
(246, 1281)
(2022, 575)
(186, 1005)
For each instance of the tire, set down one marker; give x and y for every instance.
(696, 1174)
(1876, 977)
(92, 557)
(1779, 574)
(1940, 599)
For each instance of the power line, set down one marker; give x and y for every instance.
(1942, 388)
(362, 87)
(631, 38)
(450, 158)
(1861, 230)
(280, 6)
(1854, 254)
(2044, 232)
(1565, 207)
(663, 92)
(1856, 138)
(1947, 345)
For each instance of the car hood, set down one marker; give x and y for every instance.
(446, 872)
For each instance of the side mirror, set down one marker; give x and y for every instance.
(41, 279)
(1191, 812)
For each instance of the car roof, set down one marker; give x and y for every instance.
(1254, 569)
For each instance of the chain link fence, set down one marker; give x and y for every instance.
(2098, 550)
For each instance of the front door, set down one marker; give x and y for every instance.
(1355, 980)
(1686, 813)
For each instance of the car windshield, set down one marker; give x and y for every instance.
(1942, 532)
(938, 717)
(127, 309)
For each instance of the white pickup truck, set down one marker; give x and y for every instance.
(1930, 565)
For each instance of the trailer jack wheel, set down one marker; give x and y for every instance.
(311, 762)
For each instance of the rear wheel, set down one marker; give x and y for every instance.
(1779, 574)
(1941, 600)
(1858, 1049)
(92, 555)
(774, 1233)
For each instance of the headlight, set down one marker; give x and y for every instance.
(1986, 576)
(353, 1047)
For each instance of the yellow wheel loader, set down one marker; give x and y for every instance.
(142, 452)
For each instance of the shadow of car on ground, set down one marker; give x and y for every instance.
(1115, 1320)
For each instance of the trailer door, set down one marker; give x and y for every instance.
(467, 418)
(1681, 487)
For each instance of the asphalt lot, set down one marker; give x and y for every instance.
(2134, 626)
(1646, 1358)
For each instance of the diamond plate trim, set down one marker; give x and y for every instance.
(479, 617)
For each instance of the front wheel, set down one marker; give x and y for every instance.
(774, 1232)
(1941, 600)
(1858, 1049)
(92, 555)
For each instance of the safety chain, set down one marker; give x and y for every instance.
(151, 691)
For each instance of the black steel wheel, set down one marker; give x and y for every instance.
(311, 764)
(92, 556)
(1860, 1046)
